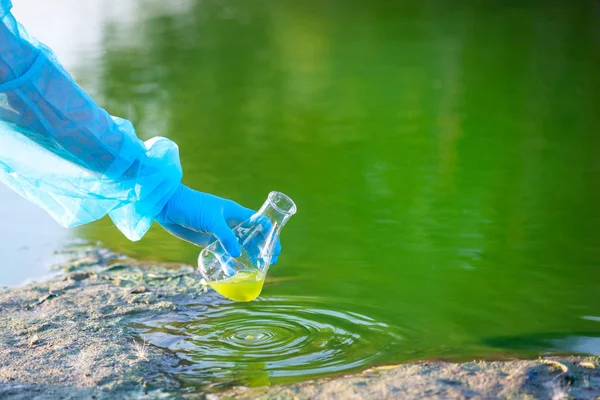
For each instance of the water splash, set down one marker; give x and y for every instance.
(272, 340)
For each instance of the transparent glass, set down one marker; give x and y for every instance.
(242, 278)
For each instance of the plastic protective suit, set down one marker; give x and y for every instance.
(95, 164)
(69, 156)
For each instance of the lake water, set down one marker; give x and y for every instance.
(445, 160)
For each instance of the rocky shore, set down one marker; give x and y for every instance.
(72, 337)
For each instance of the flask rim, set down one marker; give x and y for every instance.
(275, 197)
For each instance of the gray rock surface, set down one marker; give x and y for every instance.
(552, 379)
(63, 336)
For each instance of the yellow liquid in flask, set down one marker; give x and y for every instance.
(243, 286)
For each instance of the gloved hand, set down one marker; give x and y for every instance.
(199, 218)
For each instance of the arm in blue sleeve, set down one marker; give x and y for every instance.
(65, 153)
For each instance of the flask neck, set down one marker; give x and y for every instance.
(278, 209)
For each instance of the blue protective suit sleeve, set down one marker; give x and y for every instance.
(65, 153)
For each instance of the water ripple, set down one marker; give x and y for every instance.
(271, 340)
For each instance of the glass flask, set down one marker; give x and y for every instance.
(242, 278)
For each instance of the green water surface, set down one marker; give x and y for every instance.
(444, 158)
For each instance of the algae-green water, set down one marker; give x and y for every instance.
(444, 158)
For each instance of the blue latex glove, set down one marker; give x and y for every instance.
(200, 218)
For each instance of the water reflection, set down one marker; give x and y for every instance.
(28, 239)
(577, 344)
(587, 343)
(271, 340)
